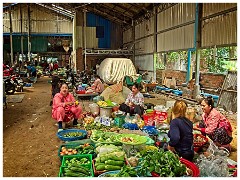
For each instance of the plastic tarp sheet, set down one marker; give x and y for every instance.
(113, 70)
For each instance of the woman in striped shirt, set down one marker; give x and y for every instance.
(134, 102)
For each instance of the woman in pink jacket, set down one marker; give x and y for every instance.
(64, 107)
(215, 125)
(98, 85)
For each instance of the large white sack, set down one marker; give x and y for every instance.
(112, 70)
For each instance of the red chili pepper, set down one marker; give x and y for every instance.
(158, 143)
(235, 174)
(154, 174)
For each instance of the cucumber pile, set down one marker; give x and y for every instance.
(73, 134)
(75, 161)
(76, 171)
(110, 161)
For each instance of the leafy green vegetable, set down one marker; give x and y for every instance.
(166, 164)
(127, 171)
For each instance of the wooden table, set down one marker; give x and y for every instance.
(91, 95)
(149, 86)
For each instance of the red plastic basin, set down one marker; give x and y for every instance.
(192, 166)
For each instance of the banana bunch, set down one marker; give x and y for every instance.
(76, 102)
(102, 104)
(88, 120)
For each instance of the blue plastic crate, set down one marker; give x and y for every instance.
(131, 126)
(151, 130)
(177, 92)
(160, 88)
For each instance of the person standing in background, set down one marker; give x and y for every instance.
(55, 66)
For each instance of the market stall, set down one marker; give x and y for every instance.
(109, 143)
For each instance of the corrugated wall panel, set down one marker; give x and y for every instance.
(93, 21)
(220, 30)
(145, 28)
(92, 41)
(127, 36)
(6, 26)
(180, 38)
(116, 36)
(40, 13)
(65, 27)
(144, 46)
(43, 27)
(79, 41)
(176, 15)
(42, 21)
(212, 8)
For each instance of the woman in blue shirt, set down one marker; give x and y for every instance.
(181, 132)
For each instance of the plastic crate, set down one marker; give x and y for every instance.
(148, 119)
(73, 146)
(177, 92)
(119, 121)
(61, 134)
(62, 168)
(80, 156)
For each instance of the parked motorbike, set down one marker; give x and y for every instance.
(10, 86)
(18, 82)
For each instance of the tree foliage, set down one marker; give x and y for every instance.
(218, 60)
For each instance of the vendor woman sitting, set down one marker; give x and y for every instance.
(98, 85)
(64, 105)
(134, 102)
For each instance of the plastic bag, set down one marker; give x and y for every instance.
(213, 163)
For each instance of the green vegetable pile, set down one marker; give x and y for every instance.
(76, 171)
(103, 137)
(77, 161)
(166, 164)
(73, 134)
(85, 149)
(126, 171)
(99, 126)
(110, 161)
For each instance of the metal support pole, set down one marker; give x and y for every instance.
(189, 66)
(73, 55)
(11, 38)
(29, 30)
(85, 40)
(133, 40)
(155, 42)
(21, 27)
(197, 46)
